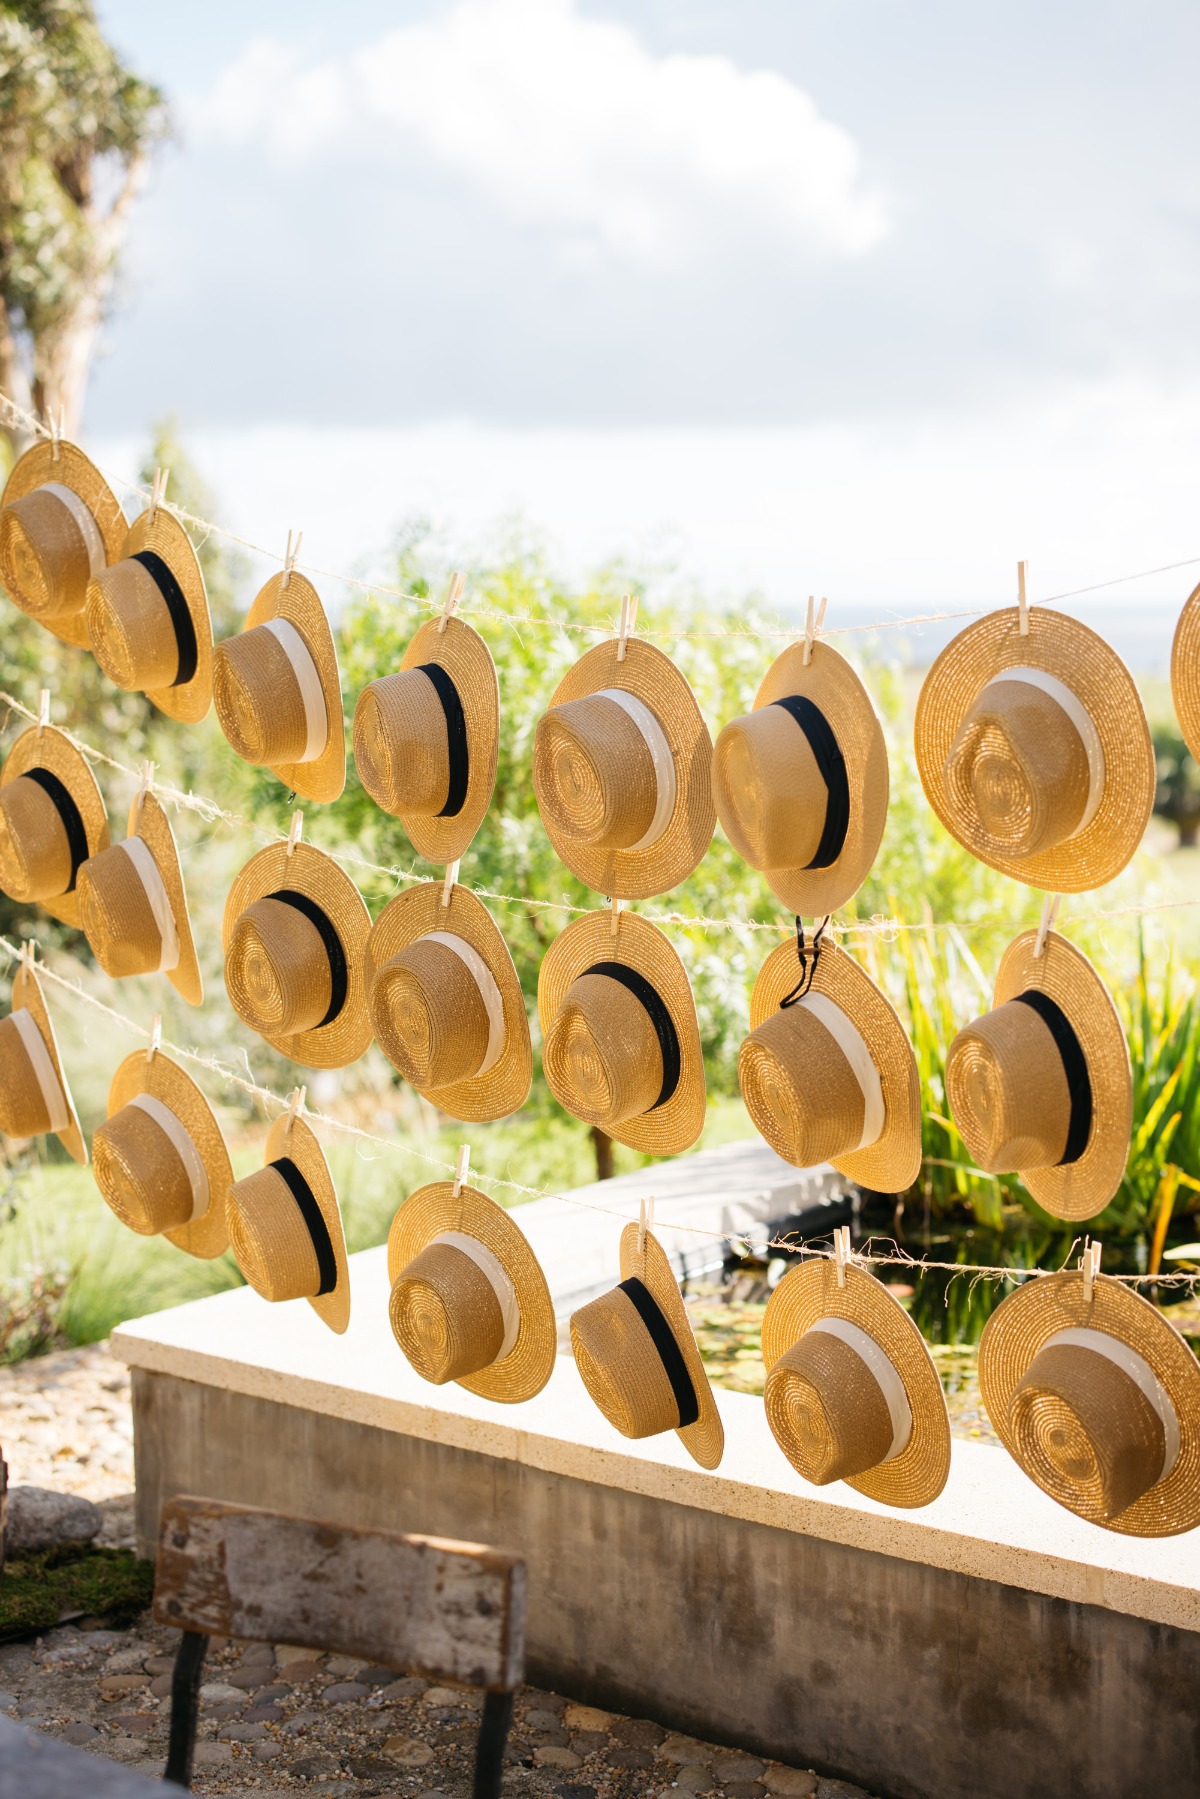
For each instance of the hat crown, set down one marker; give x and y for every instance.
(770, 794)
(116, 915)
(132, 634)
(620, 1367)
(429, 1015)
(1086, 1432)
(601, 1055)
(258, 698)
(35, 854)
(23, 1108)
(277, 969)
(826, 1410)
(445, 1315)
(401, 746)
(140, 1173)
(269, 1238)
(594, 774)
(44, 562)
(1008, 1091)
(1018, 773)
(799, 1088)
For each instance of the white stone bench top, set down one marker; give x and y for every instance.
(991, 1521)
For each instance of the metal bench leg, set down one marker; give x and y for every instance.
(489, 1754)
(185, 1706)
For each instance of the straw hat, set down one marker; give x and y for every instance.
(801, 782)
(426, 738)
(52, 819)
(133, 906)
(852, 1392)
(622, 771)
(831, 1077)
(1185, 672)
(1041, 1085)
(148, 618)
(1098, 1401)
(446, 1004)
(60, 525)
(621, 1044)
(295, 937)
(278, 691)
(469, 1302)
(160, 1159)
(1034, 750)
(285, 1226)
(638, 1359)
(34, 1094)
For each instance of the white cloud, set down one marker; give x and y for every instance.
(564, 123)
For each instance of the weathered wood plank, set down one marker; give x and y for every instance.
(448, 1610)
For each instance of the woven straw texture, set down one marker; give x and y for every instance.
(1064, 1448)
(770, 795)
(400, 739)
(431, 1309)
(275, 963)
(115, 913)
(267, 1232)
(1185, 672)
(258, 697)
(437, 1004)
(20, 1096)
(587, 1050)
(130, 627)
(810, 1292)
(1076, 656)
(35, 860)
(140, 1172)
(892, 1163)
(569, 781)
(43, 563)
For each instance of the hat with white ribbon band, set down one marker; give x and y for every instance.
(160, 1158)
(133, 906)
(60, 527)
(34, 1094)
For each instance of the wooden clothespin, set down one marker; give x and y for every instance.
(448, 883)
(295, 1107)
(145, 786)
(645, 1221)
(1050, 907)
(629, 606)
(813, 622)
(454, 593)
(295, 830)
(289, 560)
(28, 953)
(1089, 1264)
(1022, 599)
(158, 491)
(462, 1168)
(43, 717)
(56, 430)
(615, 915)
(155, 1043)
(842, 1253)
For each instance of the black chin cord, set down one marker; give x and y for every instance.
(808, 957)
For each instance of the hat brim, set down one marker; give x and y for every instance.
(1078, 1190)
(165, 536)
(461, 651)
(1075, 655)
(810, 1292)
(655, 680)
(433, 1210)
(668, 1129)
(1185, 672)
(310, 871)
(74, 470)
(1047, 1304)
(834, 686)
(27, 994)
(892, 1163)
(705, 1439)
(294, 1138)
(324, 778)
(412, 915)
(53, 750)
(148, 820)
(164, 1080)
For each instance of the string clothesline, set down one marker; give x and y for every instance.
(894, 1257)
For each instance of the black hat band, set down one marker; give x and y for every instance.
(72, 819)
(456, 737)
(339, 973)
(832, 765)
(314, 1222)
(660, 1018)
(667, 1348)
(1079, 1081)
(163, 576)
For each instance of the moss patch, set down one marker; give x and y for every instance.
(102, 1583)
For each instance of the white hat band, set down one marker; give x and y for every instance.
(181, 1142)
(853, 1046)
(160, 903)
(89, 530)
(53, 1097)
(660, 754)
(1139, 1371)
(1083, 722)
(316, 717)
(884, 1373)
(496, 1274)
(488, 992)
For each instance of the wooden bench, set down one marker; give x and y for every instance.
(422, 1605)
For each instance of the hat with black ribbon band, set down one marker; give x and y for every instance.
(64, 804)
(164, 579)
(457, 749)
(314, 1221)
(832, 764)
(1074, 1066)
(668, 1350)
(285, 1224)
(339, 973)
(660, 1018)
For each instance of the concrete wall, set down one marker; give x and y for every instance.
(916, 1682)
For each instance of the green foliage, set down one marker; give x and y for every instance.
(36, 1591)
(1177, 792)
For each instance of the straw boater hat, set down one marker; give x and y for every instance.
(285, 1225)
(60, 525)
(852, 1392)
(160, 1159)
(1034, 750)
(148, 618)
(278, 692)
(133, 905)
(446, 1005)
(801, 782)
(1098, 1401)
(426, 738)
(469, 1302)
(1041, 1084)
(622, 771)
(52, 819)
(638, 1359)
(34, 1095)
(295, 938)
(621, 1044)
(1185, 672)
(830, 1076)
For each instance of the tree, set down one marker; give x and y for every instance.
(76, 131)
(1177, 792)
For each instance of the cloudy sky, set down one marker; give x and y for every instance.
(799, 293)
